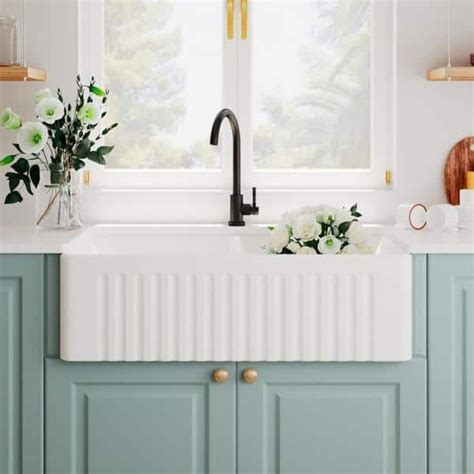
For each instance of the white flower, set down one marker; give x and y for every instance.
(289, 218)
(349, 250)
(329, 245)
(356, 233)
(293, 247)
(367, 247)
(89, 114)
(9, 120)
(279, 238)
(306, 228)
(41, 95)
(50, 110)
(326, 216)
(32, 137)
(306, 251)
(342, 215)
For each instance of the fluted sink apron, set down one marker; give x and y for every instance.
(211, 294)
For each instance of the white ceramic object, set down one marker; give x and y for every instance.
(411, 216)
(442, 217)
(467, 198)
(212, 294)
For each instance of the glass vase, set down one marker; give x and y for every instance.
(57, 199)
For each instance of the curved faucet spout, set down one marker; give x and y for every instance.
(237, 207)
(234, 125)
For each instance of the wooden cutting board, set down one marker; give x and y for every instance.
(459, 162)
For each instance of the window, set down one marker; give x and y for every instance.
(312, 86)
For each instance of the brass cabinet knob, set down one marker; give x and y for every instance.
(249, 375)
(220, 375)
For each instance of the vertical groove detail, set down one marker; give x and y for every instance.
(235, 316)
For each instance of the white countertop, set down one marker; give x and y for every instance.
(28, 240)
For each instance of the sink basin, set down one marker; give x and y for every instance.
(210, 293)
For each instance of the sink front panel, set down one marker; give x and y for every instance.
(235, 308)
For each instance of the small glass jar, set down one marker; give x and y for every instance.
(8, 41)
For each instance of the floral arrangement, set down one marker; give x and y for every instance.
(60, 140)
(320, 230)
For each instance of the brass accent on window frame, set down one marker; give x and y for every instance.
(244, 13)
(388, 179)
(230, 19)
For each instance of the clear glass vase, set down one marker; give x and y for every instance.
(57, 199)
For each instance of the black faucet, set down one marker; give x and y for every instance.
(237, 207)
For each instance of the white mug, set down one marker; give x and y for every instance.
(411, 216)
(442, 217)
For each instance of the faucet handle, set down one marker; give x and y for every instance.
(251, 209)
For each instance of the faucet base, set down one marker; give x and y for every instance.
(236, 224)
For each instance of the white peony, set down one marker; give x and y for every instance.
(41, 95)
(32, 137)
(326, 216)
(293, 247)
(89, 114)
(50, 110)
(306, 251)
(350, 249)
(356, 233)
(279, 238)
(306, 228)
(329, 245)
(342, 215)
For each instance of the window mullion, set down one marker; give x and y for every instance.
(244, 111)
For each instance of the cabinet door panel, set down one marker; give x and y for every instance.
(139, 418)
(333, 418)
(451, 363)
(21, 364)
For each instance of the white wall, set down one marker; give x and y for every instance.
(431, 117)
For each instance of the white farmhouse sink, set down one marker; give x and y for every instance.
(210, 293)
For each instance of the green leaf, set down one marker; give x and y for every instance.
(96, 158)
(344, 227)
(78, 164)
(27, 183)
(13, 183)
(105, 150)
(83, 148)
(97, 91)
(59, 139)
(17, 147)
(13, 198)
(21, 166)
(35, 175)
(7, 160)
(353, 209)
(357, 214)
(271, 227)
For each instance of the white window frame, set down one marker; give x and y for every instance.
(237, 89)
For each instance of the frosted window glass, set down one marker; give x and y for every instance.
(311, 66)
(163, 66)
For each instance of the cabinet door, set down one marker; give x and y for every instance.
(21, 364)
(139, 418)
(333, 418)
(451, 363)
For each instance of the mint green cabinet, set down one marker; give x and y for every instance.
(139, 418)
(451, 363)
(21, 364)
(333, 418)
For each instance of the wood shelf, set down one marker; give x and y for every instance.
(21, 74)
(464, 73)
